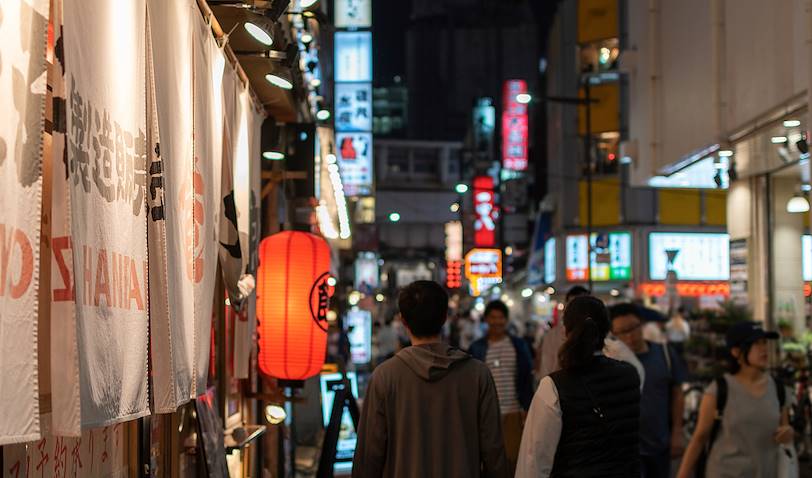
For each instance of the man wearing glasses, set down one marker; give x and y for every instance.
(661, 404)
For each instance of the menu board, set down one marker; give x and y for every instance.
(347, 437)
(698, 256)
(611, 257)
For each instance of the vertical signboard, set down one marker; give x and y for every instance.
(353, 107)
(353, 57)
(353, 13)
(485, 213)
(514, 127)
(355, 162)
(22, 81)
(359, 333)
(453, 254)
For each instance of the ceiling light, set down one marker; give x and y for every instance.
(806, 187)
(792, 123)
(275, 414)
(307, 3)
(273, 155)
(380, 297)
(394, 217)
(258, 33)
(524, 98)
(279, 80)
(323, 115)
(508, 251)
(455, 207)
(725, 153)
(797, 203)
(461, 188)
(778, 139)
(315, 82)
(306, 38)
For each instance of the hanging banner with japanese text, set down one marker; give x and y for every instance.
(23, 27)
(485, 212)
(514, 126)
(107, 161)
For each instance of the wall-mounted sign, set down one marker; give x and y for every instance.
(686, 289)
(483, 266)
(353, 56)
(514, 127)
(366, 272)
(359, 333)
(549, 261)
(738, 270)
(611, 257)
(453, 241)
(353, 13)
(453, 274)
(353, 107)
(484, 125)
(355, 162)
(698, 256)
(485, 212)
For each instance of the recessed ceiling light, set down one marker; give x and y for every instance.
(258, 33)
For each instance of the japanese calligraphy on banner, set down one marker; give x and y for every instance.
(107, 156)
(23, 83)
(97, 452)
(485, 212)
(514, 127)
(355, 162)
(353, 13)
(353, 105)
(353, 56)
(175, 186)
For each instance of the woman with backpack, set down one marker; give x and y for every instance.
(742, 420)
(584, 419)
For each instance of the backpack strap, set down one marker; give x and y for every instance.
(721, 401)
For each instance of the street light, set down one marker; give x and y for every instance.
(524, 98)
(394, 217)
(461, 188)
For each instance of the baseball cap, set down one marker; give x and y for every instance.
(743, 333)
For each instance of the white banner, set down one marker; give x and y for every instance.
(172, 184)
(65, 390)
(107, 156)
(201, 247)
(23, 27)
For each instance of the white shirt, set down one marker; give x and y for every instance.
(542, 431)
(678, 330)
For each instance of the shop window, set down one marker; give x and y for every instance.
(397, 163)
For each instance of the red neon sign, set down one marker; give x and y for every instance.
(485, 212)
(453, 274)
(514, 126)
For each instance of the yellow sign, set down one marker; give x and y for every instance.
(597, 20)
(483, 267)
(605, 108)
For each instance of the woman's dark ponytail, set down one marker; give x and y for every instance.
(587, 322)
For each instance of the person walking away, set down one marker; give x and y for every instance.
(662, 403)
(431, 410)
(555, 337)
(584, 419)
(511, 365)
(753, 420)
(678, 331)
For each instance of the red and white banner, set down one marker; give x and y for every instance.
(514, 127)
(107, 163)
(485, 212)
(23, 37)
(64, 353)
(203, 211)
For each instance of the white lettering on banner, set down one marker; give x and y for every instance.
(484, 211)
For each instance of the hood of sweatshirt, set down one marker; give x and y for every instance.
(432, 362)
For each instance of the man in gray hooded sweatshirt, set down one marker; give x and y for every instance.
(432, 410)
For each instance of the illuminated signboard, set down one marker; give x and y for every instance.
(353, 56)
(453, 274)
(611, 257)
(806, 257)
(353, 107)
(549, 261)
(347, 437)
(353, 13)
(483, 267)
(485, 212)
(366, 272)
(699, 256)
(514, 127)
(453, 241)
(355, 162)
(359, 333)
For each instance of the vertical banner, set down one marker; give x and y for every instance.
(107, 156)
(23, 38)
(65, 390)
(514, 127)
(203, 209)
(171, 200)
(485, 212)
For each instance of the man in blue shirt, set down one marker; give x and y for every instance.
(661, 404)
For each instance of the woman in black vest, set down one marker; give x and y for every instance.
(584, 419)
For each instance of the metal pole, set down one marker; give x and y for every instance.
(588, 162)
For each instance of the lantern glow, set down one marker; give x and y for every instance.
(292, 301)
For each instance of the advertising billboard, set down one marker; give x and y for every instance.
(483, 267)
(611, 257)
(485, 213)
(359, 333)
(353, 57)
(366, 272)
(549, 261)
(514, 127)
(353, 107)
(698, 256)
(355, 162)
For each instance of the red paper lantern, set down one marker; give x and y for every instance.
(292, 300)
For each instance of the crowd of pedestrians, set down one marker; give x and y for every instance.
(609, 401)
